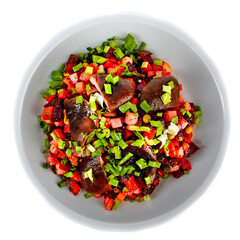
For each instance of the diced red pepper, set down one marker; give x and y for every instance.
(113, 60)
(121, 197)
(73, 159)
(110, 114)
(134, 101)
(63, 94)
(169, 115)
(52, 161)
(120, 69)
(132, 185)
(116, 122)
(74, 188)
(76, 176)
(53, 149)
(67, 128)
(74, 77)
(97, 195)
(61, 154)
(109, 64)
(132, 82)
(146, 69)
(47, 113)
(108, 202)
(150, 135)
(48, 99)
(150, 74)
(131, 118)
(58, 133)
(62, 168)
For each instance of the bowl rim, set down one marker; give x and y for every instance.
(87, 22)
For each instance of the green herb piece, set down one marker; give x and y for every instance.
(63, 67)
(197, 108)
(157, 124)
(56, 75)
(77, 67)
(197, 120)
(116, 204)
(154, 164)
(54, 137)
(171, 84)
(145, 106)
(88, 195)
(166, 98)
(61, 184)
(166, 89)
(118, 53)
(157, 62)
(167, 169)
(61, 144)
(80, 56)
(142, 163)
(56, 84)
(88, 88)
(122, 144)
(89, 70)
(68, 174)
(142, 46)
(88, 174)
(108, 88)
(79, 99)
(113, 182)
(138, 143)
(186, 172)
(45, 165)
(125, 107)
(174, 120)
(93, 117)
(46, 143)
(148, 180)
(49, 92)
(125, 158)
(130, 43)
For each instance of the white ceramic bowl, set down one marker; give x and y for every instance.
(201, 85)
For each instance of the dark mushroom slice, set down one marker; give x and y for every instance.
(144, 152)
(80, 123)
(122, 91)
(152, 93)
(98, 184)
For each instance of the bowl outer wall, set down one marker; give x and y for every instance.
(201, 85)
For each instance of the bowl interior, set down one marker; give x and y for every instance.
(199, 86)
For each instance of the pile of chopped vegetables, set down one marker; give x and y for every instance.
(116, 123)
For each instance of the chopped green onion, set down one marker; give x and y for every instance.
(93, 106)
(157, 124)
(137, 173)
(117, 152)
(142, 163)
(166, 176)
(171, 84)
(46, 143)
(77, 67)
(107, 132)
(45, 165)
(106, 48)
(114, 136)
(183, 111)
(198, 113)
(61, 184)
(88, 195)
(126, 106)
(186, 172)
(118, 53)
(69, 152)
(159, 131)
(189, 114)
(138, 143)
(125, 158)
(93, 117)
(133, 58)
(125, 189)
(56, 84)
(90, 136)
(63, 67)
(147, 198)
(115, 80)
(197, 108)
(53, 136)
(197, 120)
(127, 170)
(144, 65)
(90, 148)
(79, 99)
(166, 144)
(101, 72)
(109, 78)
(122, 144)
(108, 88)
(134, 108)
(99, 49)
(80, 56)
(174, 120)
(145, 106)
(139, 135)
(113, 182)
(167, 169)
(56, 75)
(104, 142)
(78, 149)
(154, 164)
(166, 89)
(116, 204)
(142, 46)
(130, 43)
(148, 180)
(89, 70)
(61, 144)
(98, 59)
(166, 98)
(88, 88)
(157, 62)
(88, 174)
(49, 92)
(68, 174)
(97, 143)
(133, 128)
(144, 129)
(159, 114)
(64, 161)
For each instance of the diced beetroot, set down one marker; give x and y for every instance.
(145, 55)
(72, 59)
(131, 118)
(116, 122)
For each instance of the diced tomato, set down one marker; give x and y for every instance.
(61, 154)
(113, 60)
(120, 69)
(47, 113)
(63, 94)
(58, 133)
(132, 82)
(166, 73)
(84, 76)
(74, 188)
(157, 68)
(127, 134)
(150, 135)
(132, 185)
(121, 197)
(100, 68)
(73, 159)
(97, 195)
(52, 161)
(166, 68)
(108, 123)
(159, 73)
(109, 64)
(53, 149)
(185, 146)
(67, 128)
(66, 80)
(131, 118)
(187, 106)
(169, 115)
(70, 87)
(189, 139)
(80, 87)
(76, 176)
(150, 74)
(175, 168)
(146, 69)
(109, 70)
(134, 101)
(61, 169)
(48, 99)
(181, 101)
(116, 122)
(179, 152)
(74, 77)
(108, 202)
(110, 114)
(171, 147)
(59, 124)
(182, 124)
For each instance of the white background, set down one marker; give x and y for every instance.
(26, 26)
